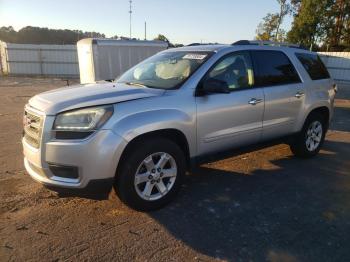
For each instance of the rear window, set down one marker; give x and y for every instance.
(273, 68)
(313, 65)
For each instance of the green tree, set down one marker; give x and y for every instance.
(321, 22)
(267, 28)
(347, 33)
(285, 9)
(39, 35)
(161, 37)
(295, 6)
(270, 27)
(337, 23)
(8, 34)
(309, 23)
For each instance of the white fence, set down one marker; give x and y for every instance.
(45, 60)
(62, 61)
(338, 65)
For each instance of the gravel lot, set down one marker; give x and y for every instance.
(260, 206)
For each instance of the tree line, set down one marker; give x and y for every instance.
(317, 24)
(39, 35)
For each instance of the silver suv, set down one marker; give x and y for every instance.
(143, 131)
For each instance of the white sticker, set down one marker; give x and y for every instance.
(195, 56)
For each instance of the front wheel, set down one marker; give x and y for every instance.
(151, 174)
(309, 141)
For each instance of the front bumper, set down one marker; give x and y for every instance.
(95, 158)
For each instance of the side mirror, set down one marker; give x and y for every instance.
(214, 86)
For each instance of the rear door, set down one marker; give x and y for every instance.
(321, 81)
(233, 119)
(283, 90)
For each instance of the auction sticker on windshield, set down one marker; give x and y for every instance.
(195, 56)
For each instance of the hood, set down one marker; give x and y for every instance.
(72, 97)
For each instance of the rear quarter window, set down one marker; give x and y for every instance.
(313, 66)
(273, 68)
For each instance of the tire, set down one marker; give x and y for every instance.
(308, 142)
(137, 163)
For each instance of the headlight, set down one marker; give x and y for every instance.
(86, 120)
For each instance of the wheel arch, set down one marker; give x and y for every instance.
(172, 134)
(324, 110)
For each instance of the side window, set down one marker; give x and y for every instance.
(313, 65)
(235, 70)
(274, 68)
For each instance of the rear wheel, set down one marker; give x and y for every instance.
(150, 174)
(309, 141)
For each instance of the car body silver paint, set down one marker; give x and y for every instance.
(78, 96)
(209, 123)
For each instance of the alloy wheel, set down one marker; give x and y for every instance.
(314, 136)
(155, 176)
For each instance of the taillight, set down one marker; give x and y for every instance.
(335, 88)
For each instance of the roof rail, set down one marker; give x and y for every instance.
(267, 43)
(196, 44)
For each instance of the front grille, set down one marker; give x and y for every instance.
(32, 124)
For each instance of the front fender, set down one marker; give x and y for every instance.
(140, 123)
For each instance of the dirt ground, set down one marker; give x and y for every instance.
(264, 205)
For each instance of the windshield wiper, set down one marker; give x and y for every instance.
(138, 84)
(133, 84)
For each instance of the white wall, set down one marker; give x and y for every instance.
(62, 61)
(338, 65)
(102, 59)
(46, 60)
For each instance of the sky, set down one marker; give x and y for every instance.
(181, 21)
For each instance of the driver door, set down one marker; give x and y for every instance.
(233, 119)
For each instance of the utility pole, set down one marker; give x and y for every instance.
(145, 30)
(130, 12)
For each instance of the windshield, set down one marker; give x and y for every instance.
(166, 70)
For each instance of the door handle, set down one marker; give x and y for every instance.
(254, 101)
(299, 94)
